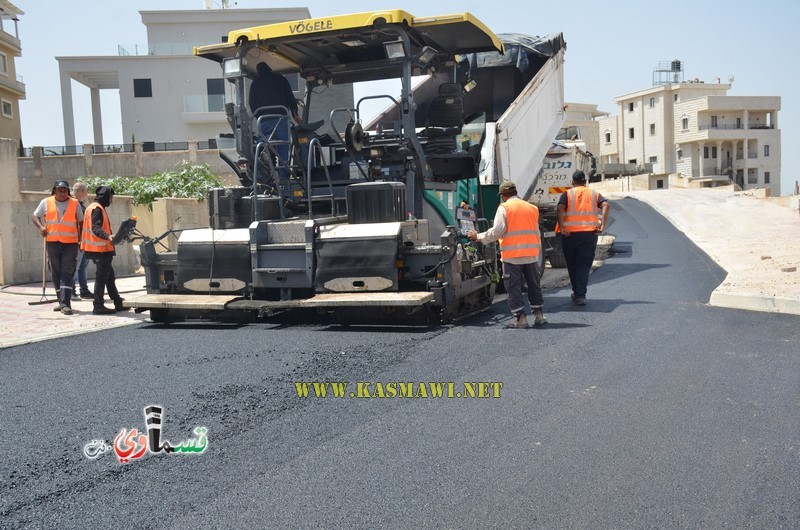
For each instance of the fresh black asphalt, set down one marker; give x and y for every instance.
(645, 408)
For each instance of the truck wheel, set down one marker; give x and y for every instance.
(557, 259)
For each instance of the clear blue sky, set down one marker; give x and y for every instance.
(612, 49)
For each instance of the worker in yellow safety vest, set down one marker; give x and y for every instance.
(58, 219)
(516, 226)
(98, 248)
(582, 216)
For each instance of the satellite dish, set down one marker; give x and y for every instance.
(730, 78)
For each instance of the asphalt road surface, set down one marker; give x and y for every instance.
(645, 408)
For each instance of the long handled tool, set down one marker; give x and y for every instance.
(43, 299)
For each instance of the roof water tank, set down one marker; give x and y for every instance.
(676, 66)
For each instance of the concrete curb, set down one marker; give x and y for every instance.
(751, 302)
(721, 297)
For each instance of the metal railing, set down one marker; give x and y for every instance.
(628, 169)
(723, 126)
(158, 48)
(147, 147)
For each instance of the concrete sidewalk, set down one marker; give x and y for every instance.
(21, 323)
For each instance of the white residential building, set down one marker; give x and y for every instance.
(166, 93)
(694, 135)
(580, 124)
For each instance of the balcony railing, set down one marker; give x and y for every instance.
(160, 48)
(714, 171)
(723, 126)
(201, 103)
(628, 169)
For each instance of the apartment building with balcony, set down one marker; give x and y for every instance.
(724, 138)
(692, 134)
(12, 89)
(166, 93)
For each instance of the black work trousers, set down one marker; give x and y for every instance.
(62, 258)
(105, 280)
(514, 276)
(579, 250)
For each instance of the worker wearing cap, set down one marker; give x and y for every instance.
(98, 248)
(516, 226)
(58, 219)
(580, 222)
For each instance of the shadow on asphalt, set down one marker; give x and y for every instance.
(563, 304)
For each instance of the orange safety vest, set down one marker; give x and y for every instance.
(90, 242)
(521, 239)
(65, 230)
(582, 211)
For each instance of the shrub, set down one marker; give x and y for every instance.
(185, 181)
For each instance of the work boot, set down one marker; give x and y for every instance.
(578, 300)
(538, 317)
(103, 310)
(66, 310)
(520, 323)
(118, 307)
(87, 295)
(57, 308)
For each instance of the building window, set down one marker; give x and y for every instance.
(653, 160)
(8, 108)
(705, 152)
(652, 102)
(685, 124)
(652, 129)
(215, 88)
(738, 123)
(660, 184)
(608, 137)
(630, 106)
(714, 152)
(630, 133)
(675, 97)
(3, 64)
(714, 122)
(766, 177)
(142, 88)
(680, 154)
(766, 150)
(752, 178)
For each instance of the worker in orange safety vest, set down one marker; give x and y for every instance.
(97, 245)
(516, 226)
(58, 220)
(580, 221)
